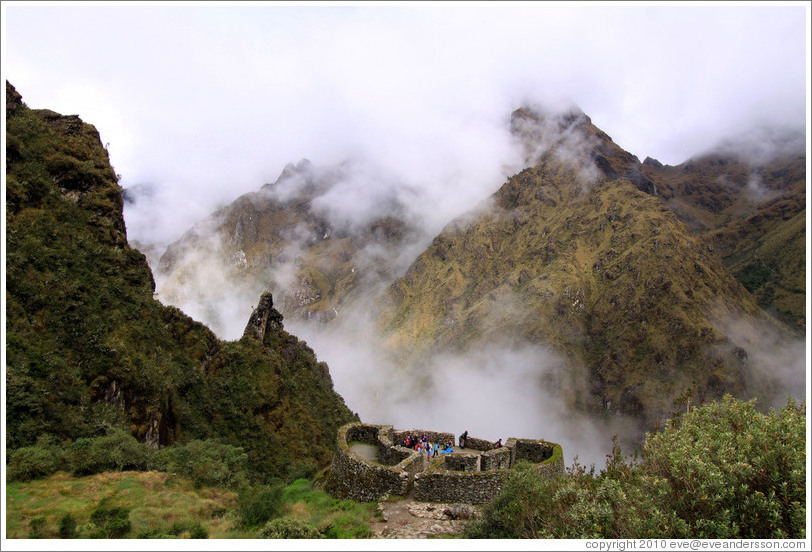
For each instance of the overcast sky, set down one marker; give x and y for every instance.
(207, 102)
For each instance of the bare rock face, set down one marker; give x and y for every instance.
(264, 319)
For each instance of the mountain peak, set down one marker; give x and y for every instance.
(569, 137)
(304, 166)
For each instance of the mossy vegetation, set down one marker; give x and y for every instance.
(722, 470)
(90, 353)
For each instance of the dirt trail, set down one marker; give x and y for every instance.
(409, 519)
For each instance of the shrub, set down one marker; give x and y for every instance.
(121, 451)
(115, 451)
(67, 527)
(516, 512)
(36, 527)
(198, 532)
(206, 462)
(110, 522)
(721, 470)
(733, 472)
(347, 526)
(84, 458)
(117, 527)
(260, 504)
(288, 528)
(304, 469)
(72, 173)
(28, 463)
(179, 529)
(194, 528)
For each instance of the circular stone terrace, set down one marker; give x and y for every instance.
(370, 464)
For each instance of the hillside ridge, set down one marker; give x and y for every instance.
(90, 350)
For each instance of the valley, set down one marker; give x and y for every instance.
(600, 285)
(591, 300)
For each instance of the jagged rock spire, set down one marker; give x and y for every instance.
(264, 319)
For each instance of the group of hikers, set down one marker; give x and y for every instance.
(422, 444)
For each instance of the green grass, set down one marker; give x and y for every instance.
(155, 501)
(162, 504)
(332, 517)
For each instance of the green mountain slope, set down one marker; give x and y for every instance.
(88, 348)
(753, 213)
(572, 253)
(283, 238)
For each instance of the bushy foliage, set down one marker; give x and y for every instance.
(732, 472)
(28, 463)
(36, 527)
(205, 462)
(289, 528)
(722, 470)
(67, 527)
(121, 451)
(110, 522)
(259, 504)
(304, 469)
(196, 529)
(116, 451)
(347, 526)
(191, 529)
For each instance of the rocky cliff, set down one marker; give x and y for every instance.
(88, 348)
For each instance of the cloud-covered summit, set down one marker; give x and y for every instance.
(205, 102)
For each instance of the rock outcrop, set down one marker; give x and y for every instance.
(265, 318)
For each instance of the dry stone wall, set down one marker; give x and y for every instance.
(356, 478)
(479, 444)
(467, 477)
(460, 461)
(438, 485)
(533, 451)
(496, 459)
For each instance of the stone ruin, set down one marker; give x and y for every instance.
(471, 476)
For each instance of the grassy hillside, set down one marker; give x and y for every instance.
(155, 504)
(89, 349)
(604, 273)
(753, 213)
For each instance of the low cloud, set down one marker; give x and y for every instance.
(557, 129)
(220, 99)
(775, 358)
(761, 143)
(491, 391)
